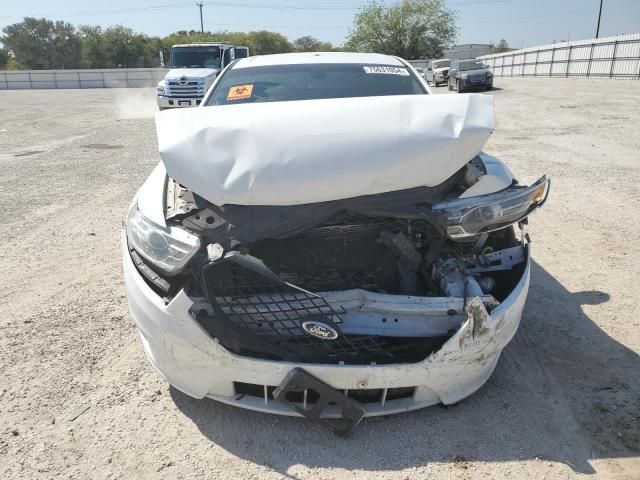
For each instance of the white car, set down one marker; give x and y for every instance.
(325, 238)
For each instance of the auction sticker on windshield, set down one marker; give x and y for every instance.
(386, 70)
(240, 92)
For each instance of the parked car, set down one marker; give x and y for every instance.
(437, 71)
(468, 75)
(325, 238)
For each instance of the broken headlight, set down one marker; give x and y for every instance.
(485, 213)
(168, 248)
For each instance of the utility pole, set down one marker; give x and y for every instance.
(599, 15)
(201, 23)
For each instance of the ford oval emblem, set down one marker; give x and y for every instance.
(320, 330)
(183, 80)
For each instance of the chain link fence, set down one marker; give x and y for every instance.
(609, 57)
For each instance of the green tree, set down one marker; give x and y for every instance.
(40, 43)
(94, 54)
(311, 44)
(124, 47)
(183, 36)
(152, 47)
(260, 43)
(409, 28)
(265, 43)
(13, 64)
(4, 58)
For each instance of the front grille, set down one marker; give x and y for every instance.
(190, 89)
(362, 395)
(477, 78)
(258, 314)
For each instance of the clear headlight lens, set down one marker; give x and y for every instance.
(486, 213)
(168, 248)
(160, 90)
(465, 76)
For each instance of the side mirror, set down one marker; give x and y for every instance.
(228, 55)
(242, 52)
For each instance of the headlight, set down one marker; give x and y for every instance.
(168, 248)
(485, 213)
(160, 90)
(465, 76)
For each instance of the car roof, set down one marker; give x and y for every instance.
(318, 57)
(199, 44)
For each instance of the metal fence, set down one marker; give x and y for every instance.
(611, 57)
(90, 78)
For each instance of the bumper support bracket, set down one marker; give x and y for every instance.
(298, 380)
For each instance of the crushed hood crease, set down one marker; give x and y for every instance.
(333, 149)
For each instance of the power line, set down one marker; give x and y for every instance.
(182, 5)
(529, 17)
(106, 12)
(278, 6)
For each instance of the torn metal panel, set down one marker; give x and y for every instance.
(333, 149)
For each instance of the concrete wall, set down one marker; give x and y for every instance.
(613, 57)
(90, 78)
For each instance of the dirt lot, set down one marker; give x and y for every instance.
(564, 401)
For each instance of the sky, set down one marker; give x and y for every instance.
(521, 22)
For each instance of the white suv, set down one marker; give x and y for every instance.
(437, 71)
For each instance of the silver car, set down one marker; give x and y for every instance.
(437, 71)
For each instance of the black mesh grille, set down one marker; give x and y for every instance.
(332, 258)
(257, 314)
(344, 254)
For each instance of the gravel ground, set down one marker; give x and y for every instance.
(564, 401)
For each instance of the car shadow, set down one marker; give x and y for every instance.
(563, 391)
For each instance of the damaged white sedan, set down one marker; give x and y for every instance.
(325, 238)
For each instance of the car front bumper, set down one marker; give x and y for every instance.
(470, 85)
(439, 77)
(196, 364)
(177, 102)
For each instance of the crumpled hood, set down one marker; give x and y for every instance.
(176, 73)
(298, 152)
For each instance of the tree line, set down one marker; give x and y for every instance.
(39, 43)
(408, 28)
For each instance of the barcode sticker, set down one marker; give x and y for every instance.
(386, 70)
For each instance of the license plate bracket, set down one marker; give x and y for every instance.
(184, 102)
(299, 380)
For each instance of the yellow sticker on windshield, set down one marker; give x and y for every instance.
(240, 92)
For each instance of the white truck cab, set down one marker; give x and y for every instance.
(193, 68)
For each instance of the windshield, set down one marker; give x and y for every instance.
(441, 64)
(475, 65)
(281, 83)
(195, 57)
